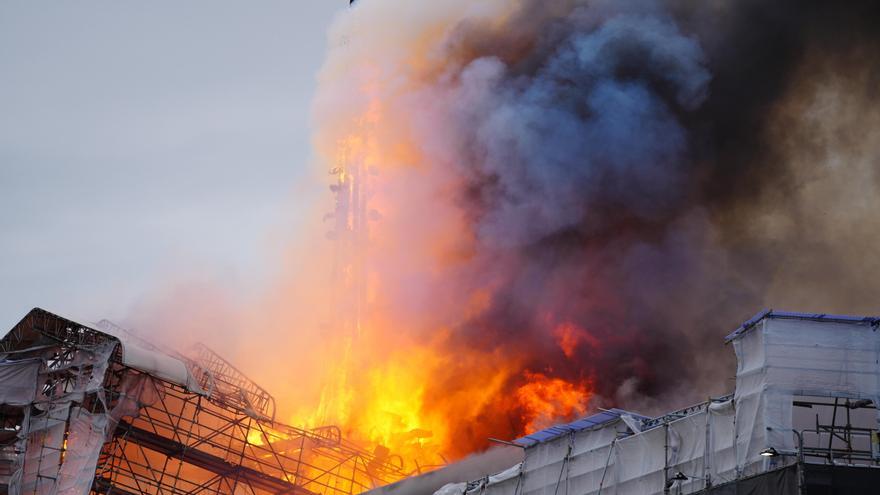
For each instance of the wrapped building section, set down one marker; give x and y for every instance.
(803, 419)
(88, 411)
(783, 356)
(634, 457)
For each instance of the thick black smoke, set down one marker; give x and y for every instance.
(635, 170)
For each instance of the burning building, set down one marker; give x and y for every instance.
(542, 205)
(101, 411)
(539, 208)
(803, 419)
(87, 410)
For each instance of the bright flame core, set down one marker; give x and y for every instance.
(397, 378)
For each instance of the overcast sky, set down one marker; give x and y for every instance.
(143, 141)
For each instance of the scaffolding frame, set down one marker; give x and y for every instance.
(838, 442)
(168, 438)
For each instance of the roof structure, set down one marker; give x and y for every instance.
(873, 321)
(599, 419)
(139, 355)
(103, 411)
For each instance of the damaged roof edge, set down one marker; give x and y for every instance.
(160, 365)
(155, 363)
(791, 315)
(599, 419)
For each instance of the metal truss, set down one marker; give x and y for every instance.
(167, 439)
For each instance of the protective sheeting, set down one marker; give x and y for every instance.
(612, 458)
(84, 441)
(18, 379)
(59, 441)
(143, 356)
(160, 365)
(787, 355)
(716, 445)
(577, 460)
(507, 481)
(452, 489)
(456, 476)
(818, 479)
(721, 447)
(48, 465)
(90, 366)
(135, 391)
(16, 466)
(42, 455)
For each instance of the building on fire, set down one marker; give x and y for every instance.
(98, 410)
(803, 419)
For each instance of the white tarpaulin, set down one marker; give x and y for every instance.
(19, 379)
(780, 356)
(85, 438)
(613, 459)
(47, 465)
(783, 357)
(42, 455)
(159, 365)
(143, 356)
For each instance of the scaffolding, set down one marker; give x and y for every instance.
(107, 413)
(847, 437)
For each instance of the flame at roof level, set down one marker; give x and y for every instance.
(121, 415)
(797, 375)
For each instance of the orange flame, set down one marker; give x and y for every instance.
(545, 400)
(400, 383)
(397, 380)
(570, 337)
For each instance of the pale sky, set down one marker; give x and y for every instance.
(144, 141)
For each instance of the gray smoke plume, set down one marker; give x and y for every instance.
(625, 182)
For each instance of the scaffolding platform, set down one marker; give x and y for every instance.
(84, 410)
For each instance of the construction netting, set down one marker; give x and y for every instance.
(60, 440)
(781, 357)
(83, 411)
(613, 459)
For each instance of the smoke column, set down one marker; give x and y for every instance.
(596, 191)
(584, 196)
(574, 202)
